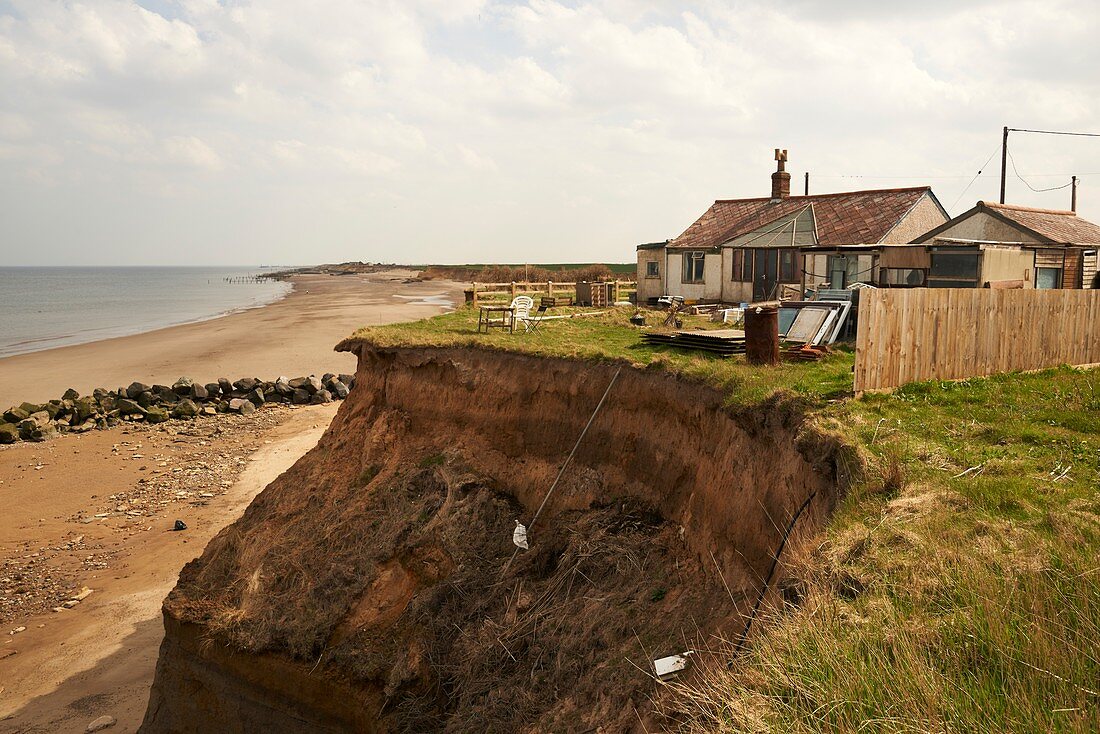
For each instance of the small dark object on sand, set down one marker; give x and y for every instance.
(180, 525)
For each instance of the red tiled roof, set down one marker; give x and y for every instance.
(1054, 225)
(856, 216)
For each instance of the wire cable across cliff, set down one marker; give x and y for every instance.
(519, 534)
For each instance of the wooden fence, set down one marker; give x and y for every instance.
(506, 291)
(908, 335)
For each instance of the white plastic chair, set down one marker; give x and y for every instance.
(521, 308)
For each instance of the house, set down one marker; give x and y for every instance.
(1003, 245)
(744, 250)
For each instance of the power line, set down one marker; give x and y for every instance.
(979, 173)
(1052, 132)
(1037, 190)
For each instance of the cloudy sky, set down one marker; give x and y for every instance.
(240, 132)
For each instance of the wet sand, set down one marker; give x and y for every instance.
(291, 337)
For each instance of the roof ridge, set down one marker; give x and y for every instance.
(1019, 208)
(825, 196)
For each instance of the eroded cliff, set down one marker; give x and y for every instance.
(369, 588)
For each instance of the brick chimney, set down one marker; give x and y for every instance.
(781, 180)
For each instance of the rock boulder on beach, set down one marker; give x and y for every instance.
(156, 414)
(241, 405)
(246, 384)
(15, 415)
(185, 408)
(129, 407)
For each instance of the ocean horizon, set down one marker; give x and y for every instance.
(43, 307)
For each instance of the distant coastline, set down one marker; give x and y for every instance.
(44, 308)
(291, 336)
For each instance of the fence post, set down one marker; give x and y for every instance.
(617, 299)
(513, 290)
(474, 284)
(549, 289)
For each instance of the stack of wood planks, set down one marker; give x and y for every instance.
(724, 342)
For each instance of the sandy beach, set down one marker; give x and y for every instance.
(293, 336)
(94, 511)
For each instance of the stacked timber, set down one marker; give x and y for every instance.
(724, 342)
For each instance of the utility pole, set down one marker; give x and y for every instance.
(1073, 195)
(1004, 162)
(807, 183)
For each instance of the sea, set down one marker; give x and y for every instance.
(47, 307)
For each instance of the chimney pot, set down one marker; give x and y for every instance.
(781, 180)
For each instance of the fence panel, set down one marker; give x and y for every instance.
(913, 334)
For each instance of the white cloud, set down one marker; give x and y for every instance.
(576, 128)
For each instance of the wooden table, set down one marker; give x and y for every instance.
(505, 320)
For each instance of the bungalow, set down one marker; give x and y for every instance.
(1015, 246)
(751, 249)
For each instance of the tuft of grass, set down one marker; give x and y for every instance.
(366, 476)
(434, 460)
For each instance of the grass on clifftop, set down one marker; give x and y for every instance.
(611, 336)
(957, 587)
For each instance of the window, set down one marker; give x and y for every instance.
(955, 265)
(788, 272)
(742, 265)
(953, 270)
(901, 276)
(841, 268)
(1048, 278)
(693, 267)
(652, 269)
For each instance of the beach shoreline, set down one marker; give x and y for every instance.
(67, 517)
(58, 306)
(293, 335)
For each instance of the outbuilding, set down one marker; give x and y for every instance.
(1004, 245)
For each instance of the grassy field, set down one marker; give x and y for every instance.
(957, 587)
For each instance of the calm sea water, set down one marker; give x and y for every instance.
(41, 308)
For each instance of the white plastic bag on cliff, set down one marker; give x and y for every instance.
(519, 536)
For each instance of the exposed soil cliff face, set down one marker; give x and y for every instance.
(369, 588)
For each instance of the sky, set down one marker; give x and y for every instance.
(199, 132)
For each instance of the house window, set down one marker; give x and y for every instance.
(653, 269)
(953, 270)
(693, 266)
(788, 273)
(1048, 278)
(901, 277)
(742, 265)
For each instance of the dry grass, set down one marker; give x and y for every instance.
(941, 599)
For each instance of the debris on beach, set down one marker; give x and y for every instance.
(189, 464)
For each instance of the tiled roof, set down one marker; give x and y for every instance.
(1057, 226)
(856, 216)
